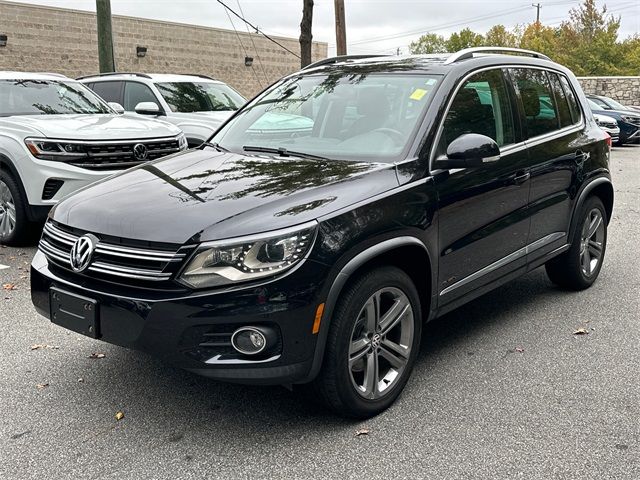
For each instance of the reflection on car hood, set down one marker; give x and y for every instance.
(210, 119)
(206, 195)
(91, 127)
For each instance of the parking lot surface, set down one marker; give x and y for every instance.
(503, 388)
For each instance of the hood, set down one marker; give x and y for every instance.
(617, 114)
(202, 195)
(209, 119)
(92, 127)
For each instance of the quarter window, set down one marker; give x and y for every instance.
(571, 98)
(134, 93)
(481, 106)
(562, 104)
(109, 91)
(537, 101)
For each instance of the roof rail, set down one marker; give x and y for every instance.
(339, 58)
(197, 75)
(471, 52)
(144, 75)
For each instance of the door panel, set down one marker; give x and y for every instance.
(482, 213)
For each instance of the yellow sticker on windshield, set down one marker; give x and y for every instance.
(417, 94)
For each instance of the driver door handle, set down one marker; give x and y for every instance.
(521, 177)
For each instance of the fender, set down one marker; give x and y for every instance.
(582, 196)
(339, 282)
(34, 214)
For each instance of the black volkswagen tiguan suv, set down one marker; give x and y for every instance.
(321, 226)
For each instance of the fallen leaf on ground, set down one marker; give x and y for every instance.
(119, 416)
(581, 331)
(519, 349)
(42, 386)
(9, 286)
(81, 380)
(38, 346)
(97, 355)
(362, 431)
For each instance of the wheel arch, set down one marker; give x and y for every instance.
(407, 253)
(600, 187)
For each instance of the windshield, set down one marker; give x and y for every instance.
(593, 105)
(186, 97)
(48, 97)
(341, 115)
(616, 105)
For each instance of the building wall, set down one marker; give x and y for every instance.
(45, 39)
(626, 90)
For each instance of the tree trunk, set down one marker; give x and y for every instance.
(305, 33)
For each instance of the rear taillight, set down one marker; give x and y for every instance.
(609, 141)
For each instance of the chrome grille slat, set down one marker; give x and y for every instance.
(110, 259)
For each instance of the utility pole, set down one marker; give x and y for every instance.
(105, 36)
(537, 7)
(341, 32)
(305, 33)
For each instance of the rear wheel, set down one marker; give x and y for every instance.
(372, 344)
(579, 266)
(14, 224)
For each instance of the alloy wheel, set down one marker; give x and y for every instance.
(381, 342)
(592, 242)
(7, 211)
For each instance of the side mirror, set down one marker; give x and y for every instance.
(119, 109)
(148, 108)
(468, 151)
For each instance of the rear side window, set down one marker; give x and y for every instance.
(576, 115)
(481, 106)
(537, 100)
(109, 91)
(562, 104)
(134, 93)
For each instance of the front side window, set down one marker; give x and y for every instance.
(135, 93)
(345, 115)
(48, 97)
(537, 101)
(188, 97)
(481, 106)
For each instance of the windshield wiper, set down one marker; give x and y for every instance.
(218, 147)
(283, 152)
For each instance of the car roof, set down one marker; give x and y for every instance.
(9, 75)
(156, 77)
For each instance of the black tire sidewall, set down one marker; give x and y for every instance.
(19, 232)
(375, 280)
(588, 206)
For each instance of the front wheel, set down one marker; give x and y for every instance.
(372, 344)
(578, 267)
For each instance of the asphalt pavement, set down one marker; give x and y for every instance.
(502, 389)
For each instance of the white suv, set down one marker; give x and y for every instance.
(196, 103)
(57, 136)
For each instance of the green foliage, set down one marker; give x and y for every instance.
(587, 42)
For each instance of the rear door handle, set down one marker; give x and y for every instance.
(521, 177)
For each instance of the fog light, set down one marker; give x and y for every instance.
(249, 340)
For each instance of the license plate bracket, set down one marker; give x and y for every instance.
(74, 312)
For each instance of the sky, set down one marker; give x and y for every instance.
(373, 26)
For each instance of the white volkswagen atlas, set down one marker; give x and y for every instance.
(57, 136)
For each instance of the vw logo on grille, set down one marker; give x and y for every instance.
(140, 151)
(82, 252)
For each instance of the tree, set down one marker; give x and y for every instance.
(540, 38)
(429, 43)
(499, 36)
(464, 39)
(305, 33)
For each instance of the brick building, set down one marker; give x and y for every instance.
(61, 40)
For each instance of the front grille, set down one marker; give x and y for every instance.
(112, 261)
(51, 187)
(118, 155)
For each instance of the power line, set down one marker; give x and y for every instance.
(243, 49)
(254, 45)
(257, 29)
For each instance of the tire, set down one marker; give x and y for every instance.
(15, 228)
(338, 384)
(579, 267)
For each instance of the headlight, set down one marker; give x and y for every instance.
(629, 119)
(55, 149)
(238, 260)
(182, 142)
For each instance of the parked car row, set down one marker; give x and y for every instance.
(607, 112)
(57, 135)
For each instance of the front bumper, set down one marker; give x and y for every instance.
(170, 325)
